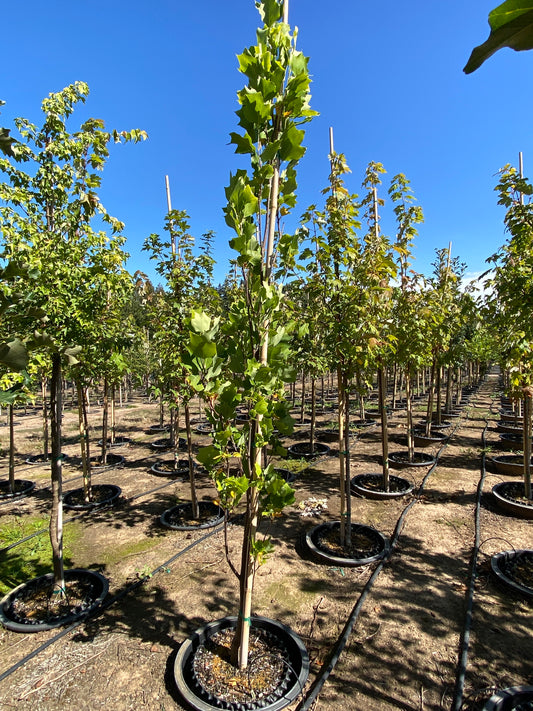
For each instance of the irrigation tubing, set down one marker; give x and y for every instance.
(106, 605)
(457, 701)
(342, 641)
(319, 682)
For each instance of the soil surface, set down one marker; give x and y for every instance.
(404, 648)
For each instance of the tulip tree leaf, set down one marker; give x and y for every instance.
(511, 25)
(14, 355)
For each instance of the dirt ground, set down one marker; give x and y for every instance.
(403, 650)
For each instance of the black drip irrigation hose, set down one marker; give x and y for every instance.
(337, 650)
(457, 701)
(106, 605)
(342, 641)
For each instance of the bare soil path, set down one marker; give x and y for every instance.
(403, 651)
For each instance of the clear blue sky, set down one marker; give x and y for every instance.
(387, 76)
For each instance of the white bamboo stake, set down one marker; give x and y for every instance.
(521, 169)
(169, 206)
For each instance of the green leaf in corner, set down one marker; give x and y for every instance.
(511, 25)
(14, 355)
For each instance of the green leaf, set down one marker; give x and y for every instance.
(201, 347)
(9, 397)
(291, 148)
(208, 456)
(511, 26)
(243, 143)
(14, 355)
(200, 322)
(270, 11)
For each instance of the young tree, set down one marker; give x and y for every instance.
(512, 282)
(245, 359)
(46, 221)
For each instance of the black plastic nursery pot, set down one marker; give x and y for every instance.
(422, 440)
(515, 570)
(112, 461)
(509, 464)
(284, 646)
(368, 545)
(30, 607)
(102, 495)
(507, 417)
(401, 460)
(286, 474)
(204, 428)
(509, 496)
(511, 442)
(180, 518)
(166, 443)
(154, 429)
(22, 488)
(170, 467)
(303, 450)
(515, 698)
(41, 459)
(509, 428)
(117, 442)
(370, 486)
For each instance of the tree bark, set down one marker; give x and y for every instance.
(56, 517)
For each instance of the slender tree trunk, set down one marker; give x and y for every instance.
(248, 563)
(409, 402)
(346, 455)
(161, 409)
(382, 390)
(175, 433)
(302, 406)
(395, 385)
(345, 531)
(83, 445)
(449, 383)
(113, 415)
(313, 413)
(105, 420)
(56, 517)
(192, 481)
(431, 397)
(10, 410)
(44, 419)
(527, 442)
(438, 418)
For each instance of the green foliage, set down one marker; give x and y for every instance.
(512, 279)
(511, 25)
(49, 244)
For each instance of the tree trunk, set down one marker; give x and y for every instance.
(105, 419)
(346, 455)
(11, 449)
(313, 414)
(302, 406)
(56, 517)
(431, 397)
(345, 525)
(192, 481)
(44, 418)
(382, 390)
(527, 443)
(439, 396)
(84, 443)
(113, 415)
(409, 402)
